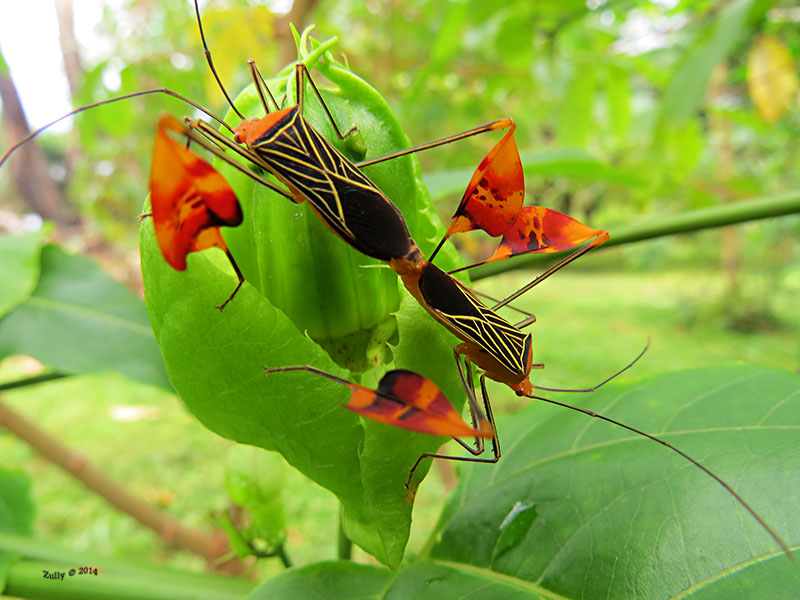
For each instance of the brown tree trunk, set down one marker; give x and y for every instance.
(69, 47)
(28, 167)
(730, 237)
(74, 71)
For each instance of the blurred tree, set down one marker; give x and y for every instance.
(28, 168)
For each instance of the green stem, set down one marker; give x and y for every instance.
(280, 552)
(117, 579)
(26, 579)
(344, 543)
(717, 216)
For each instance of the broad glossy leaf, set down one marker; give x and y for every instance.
(79, 320)
(215, 361)
(583, 509)
(577, 508)
(19, 268)
(342, 580)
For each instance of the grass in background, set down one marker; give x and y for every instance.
(593, 318)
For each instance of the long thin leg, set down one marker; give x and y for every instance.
(530, 317)
(526, 322)
(71, 113)
(503, 123)
(602, 383)
(705, 470)
(213, 141)
(490, 416)
(211, 62)
(469, 388)
(300, 71)
(238, 274)
(600, 239)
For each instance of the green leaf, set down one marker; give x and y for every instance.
(687, 88)
(446, 581)
(605, 513)
(19, 269)
(578, 508)
(254, 480)
(16, 504)
(618, 96)
(678, 148)
(339, 580)
(16, 514)
(79, 320)
(575, 118)
(294, 264)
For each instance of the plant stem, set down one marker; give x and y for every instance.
(717, 216)
(26, 579)
(10, 385)
(211, 546)
(344, 543)
(280, 552)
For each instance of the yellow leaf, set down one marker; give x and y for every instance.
(771, 77)
(236, 34)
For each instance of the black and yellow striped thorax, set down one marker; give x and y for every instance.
(345, 199)
(473, 321)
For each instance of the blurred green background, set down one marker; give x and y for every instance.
(626, 111)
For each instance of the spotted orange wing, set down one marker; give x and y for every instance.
(539, 229)
(408, 400)
(495, 193)
(190, 200)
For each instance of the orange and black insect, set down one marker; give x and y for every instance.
(404, 399)
(195, 201)
(287, 146)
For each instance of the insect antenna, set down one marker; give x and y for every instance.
(784, 546)
(71, 113)
(211, 63)
(605, 381)
(601, 238)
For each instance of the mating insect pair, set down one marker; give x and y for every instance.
(285, 144)
(191, 201)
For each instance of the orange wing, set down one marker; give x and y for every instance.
(495, 193)
(410, 401)
(539, 229)
(190, 200)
